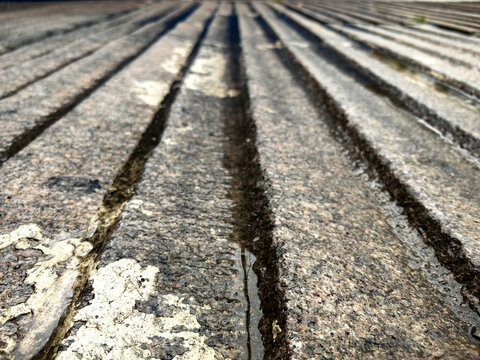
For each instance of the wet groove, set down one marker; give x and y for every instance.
(21, 141)
(120, 192)
(252, 216)
(400, 99)
(448, 249)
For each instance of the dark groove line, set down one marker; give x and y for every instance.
(121, 191)
(252, 215)
(449, 250)
(247, 298)
(381, 87)
(22, 140)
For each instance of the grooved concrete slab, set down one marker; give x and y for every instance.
(204, 180)
(79, 157)
(347, 296)
(195, 306)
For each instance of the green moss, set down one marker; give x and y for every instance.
(419, 19)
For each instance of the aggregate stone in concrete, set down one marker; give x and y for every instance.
(20, 76)
(436, 175)
(53, 42)
(173, 238)
(467, 79)
(39, 102)
(52, 189)
(349, 289)
(452, 115)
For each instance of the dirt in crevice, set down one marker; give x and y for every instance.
(120, 192)
(448, 250)
(22, 140)
(252, 217)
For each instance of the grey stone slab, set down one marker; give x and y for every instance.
(454, 117)
(346, 10)
(313, 14)
(175, 232)
(468, 18)
(28, 52)
(38, 30)
(427, 28)
(441, 186)
(19, 77)
(36, 105)
(351, 288)
(452, 55)
(334, 14)
(52, 190)
(22, 18)
(464, 78)
(464, 44)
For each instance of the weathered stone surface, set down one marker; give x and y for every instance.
(351, 288)
(452, 55)
(412, 152)
(451, 115)
(53, 42)
(20, 76)
(464, 78)
(463, 43)
(39, 30)
(51, 191)
(40, 102)
(177, 227)
(168, 192)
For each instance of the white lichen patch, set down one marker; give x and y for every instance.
(150, 92)
(114, 329)
(32, 231)
(207, 74)
(52, 279)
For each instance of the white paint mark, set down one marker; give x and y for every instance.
(114, 329)
(31, 231)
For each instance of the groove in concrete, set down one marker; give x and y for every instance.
(449, 250)
(252, 215)
(22, 140)
(453, 117)
(121, 190)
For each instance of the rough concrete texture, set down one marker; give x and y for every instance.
(239, 181)
(451, 115)
(195, 306)
(345, 296)
(41, 103)
(56, 186)
(412, 152)
(22, 75)
(463, 77)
